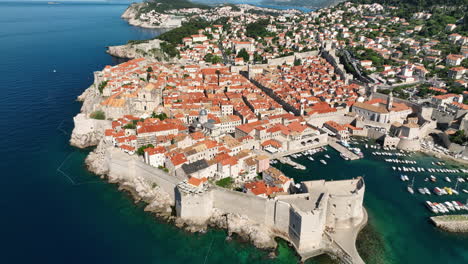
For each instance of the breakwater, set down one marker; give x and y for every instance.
(451, 223)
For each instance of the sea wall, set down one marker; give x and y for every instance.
(123, 167)
(458, 223)
(150, 49)
(251, 206)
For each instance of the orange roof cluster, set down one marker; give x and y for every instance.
(261, 188)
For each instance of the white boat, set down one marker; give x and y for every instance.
(327, 156)
(449, 206)
(426, 190)
(344, 156)
(432, 207)
(410, 187)
(448, 179)
(323, 162)
(438, 191)
(465, 190)
(421, 191)
(403, 178)
(310, 158)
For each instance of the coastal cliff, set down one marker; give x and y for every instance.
(88, 132)
(133, 16)
(102, 161)
(139, 49)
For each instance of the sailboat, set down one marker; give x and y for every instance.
(410, 187)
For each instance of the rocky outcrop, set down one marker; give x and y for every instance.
(248, 230)
(451, 223)
(88, 132)
(97, 160)
(145, 49)
(132, 14)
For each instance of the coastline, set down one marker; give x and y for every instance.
(160, 206)
(89, 132)
(130, 15)
(444, 156)
(451, 223)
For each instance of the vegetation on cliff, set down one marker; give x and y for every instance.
(99, 115)
(459, 137)
(162, 6)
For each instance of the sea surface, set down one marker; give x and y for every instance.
(54, 211)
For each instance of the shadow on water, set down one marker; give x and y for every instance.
(370, 245)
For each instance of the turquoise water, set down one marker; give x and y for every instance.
(54, 211)
(399, 228)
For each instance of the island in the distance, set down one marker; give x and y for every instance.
(194, 123)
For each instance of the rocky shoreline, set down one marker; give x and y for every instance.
(131, 15)
(160, 203)
(89, 132)
(150, 49)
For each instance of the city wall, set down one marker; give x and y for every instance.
(126, 168)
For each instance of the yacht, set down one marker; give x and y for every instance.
(323, 162)
(448, 179)
(433, 178)
(432, 207)
(327, 156)
(344, 156)
(310, 158)
(410, 187)
(438, 191)
(448, 190)
(426, 190)
(421, 191)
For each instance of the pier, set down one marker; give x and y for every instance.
(286, 160)
(294, 151)
(346, 152)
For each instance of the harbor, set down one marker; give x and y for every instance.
(387, 196)
(346, 153)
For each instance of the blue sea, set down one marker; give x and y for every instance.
(54, 211)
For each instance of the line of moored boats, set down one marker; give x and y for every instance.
(400, 161)
(399, 154)
(445, 207)
(421, 169)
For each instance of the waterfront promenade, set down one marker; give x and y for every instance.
(341, 149)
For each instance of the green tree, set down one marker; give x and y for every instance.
(160, 116)
(243, 54)
(225, 183)
(99, 115)
(141, 150)
(297, 62)
(102, 85)
(130, 126)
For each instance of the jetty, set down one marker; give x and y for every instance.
(346, 152)
(286, 160)
(451, 223)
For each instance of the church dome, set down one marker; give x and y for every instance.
(203, 112)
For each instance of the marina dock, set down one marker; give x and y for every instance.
(286, 160)
(346, 152)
